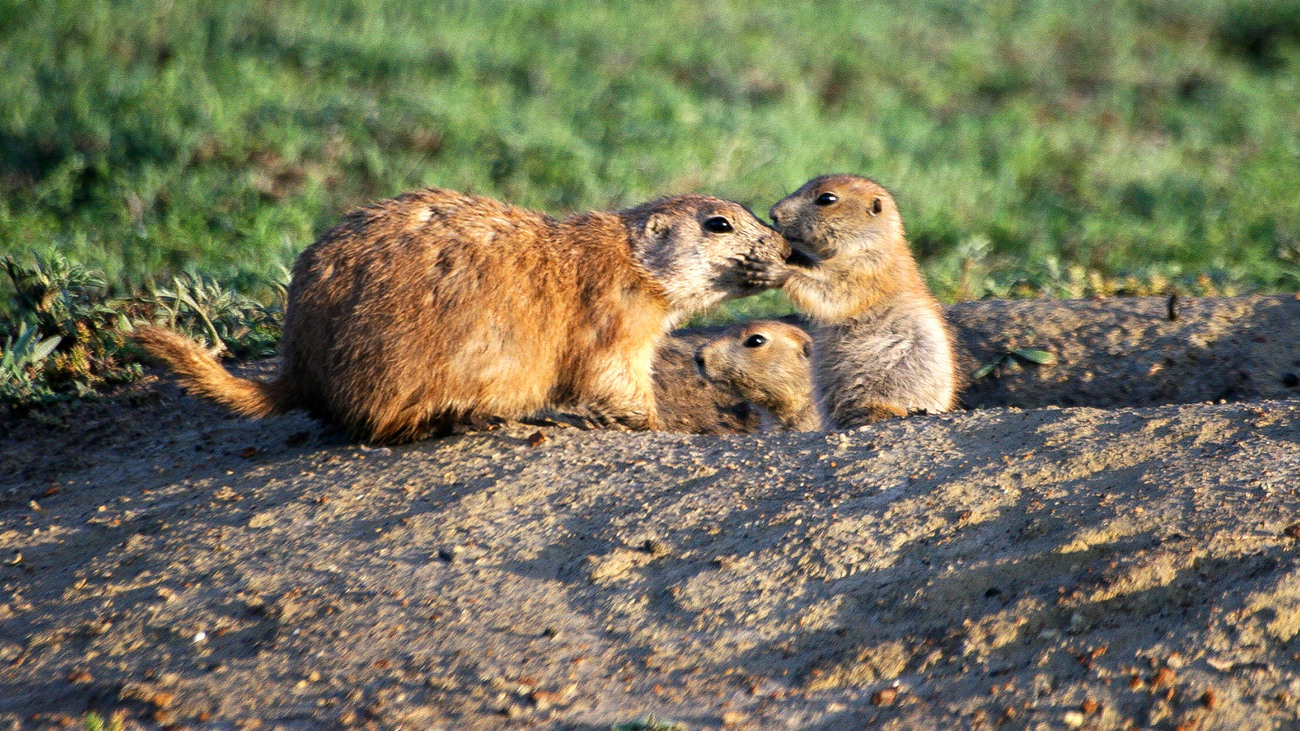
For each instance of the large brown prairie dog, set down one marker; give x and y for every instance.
(882, 345)
(437, 307)
(767, 363)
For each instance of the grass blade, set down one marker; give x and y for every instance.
(1033, 355)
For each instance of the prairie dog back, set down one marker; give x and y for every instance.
(438, 307)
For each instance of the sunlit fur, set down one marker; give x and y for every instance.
(775, 376)
(437, 307)
(881, 343)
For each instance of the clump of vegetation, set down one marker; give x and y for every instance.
(229, 322)
(93, 721)
(65, 339)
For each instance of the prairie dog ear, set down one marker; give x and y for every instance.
(658, 225)
(877, 206)
(805, 343)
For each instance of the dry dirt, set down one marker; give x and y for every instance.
(1104, 543)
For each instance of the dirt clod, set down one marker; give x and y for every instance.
(1164, 677)
(884, 696)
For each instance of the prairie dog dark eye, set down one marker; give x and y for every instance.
(876, 206)
(718, 225)
(825, 199)
(755, 341)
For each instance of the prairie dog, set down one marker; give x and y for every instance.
(882, 347)
(437, 307)
(767, 363)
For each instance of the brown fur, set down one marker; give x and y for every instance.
(437, 307)
(768, 364)
(882, 345)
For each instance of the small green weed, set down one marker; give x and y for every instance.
(92, 721)
(649, 723)
(1011, 355)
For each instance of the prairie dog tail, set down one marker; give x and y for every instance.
(204, 376)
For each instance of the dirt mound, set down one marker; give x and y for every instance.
(1132, 352)
(1063, 567)
(1107, 353)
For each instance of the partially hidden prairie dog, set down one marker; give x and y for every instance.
(436, 308)
(882, 347)
(767, 363)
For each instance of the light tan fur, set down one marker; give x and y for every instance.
(881, 342)
(767, 363)
(437, 308)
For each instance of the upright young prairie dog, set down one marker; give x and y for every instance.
(767, 363)
(881, 343)
(437, 307)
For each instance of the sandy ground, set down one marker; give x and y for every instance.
(1129, 560)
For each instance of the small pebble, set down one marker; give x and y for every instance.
(884, 696)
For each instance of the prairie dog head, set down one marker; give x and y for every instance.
(765, 362)
(840, 215)
(691, 245)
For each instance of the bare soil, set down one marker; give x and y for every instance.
(1103, 543)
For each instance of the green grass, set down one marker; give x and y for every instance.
(1051, 147)
(93, 721)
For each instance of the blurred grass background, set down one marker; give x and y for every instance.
(1047, 147)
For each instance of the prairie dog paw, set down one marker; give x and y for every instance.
(764, 274)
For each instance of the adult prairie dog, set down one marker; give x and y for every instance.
(436, 307)
(767, 363)
(882, 345)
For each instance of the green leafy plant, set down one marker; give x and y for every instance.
(20, 360)
(228, 321)
(66, 337)
(1012, 355)
(93, 721)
